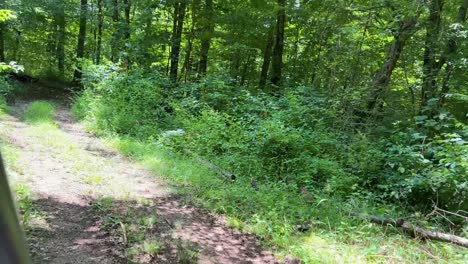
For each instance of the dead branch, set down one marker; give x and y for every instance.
(220, 171)
(415, 231)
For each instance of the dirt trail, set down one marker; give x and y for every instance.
(69, 171)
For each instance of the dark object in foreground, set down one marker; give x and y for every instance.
(13, 248)
(415, 230)
(23, 78)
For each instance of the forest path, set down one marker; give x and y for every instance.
(91, 205)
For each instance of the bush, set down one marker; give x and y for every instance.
(132, 104)
(430, 165)
(6, 87)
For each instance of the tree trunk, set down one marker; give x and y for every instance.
(2, 35)
(187, 67)
(61, 24)
(266, 59)
(278, 50)
(207, 34)
(127, 8)
(178, 25)
(81, 39)
(452, 48)
(432, 64)
(99, 32)
(383, 76)
(116, 33)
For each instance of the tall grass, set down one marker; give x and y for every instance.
(40, 112)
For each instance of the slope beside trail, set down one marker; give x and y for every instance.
(69, 171)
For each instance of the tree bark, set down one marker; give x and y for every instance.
(99, 32)
(207, 34)
(81, 39)
(127, 8)
(2, 35)
(178, 25)
(61, 24)
(277, 60)
(267, 59)
(432, 65)
(383, 76)
(116, 33)
(187, 68)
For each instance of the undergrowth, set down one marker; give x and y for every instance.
(300, 169)
(316, 229)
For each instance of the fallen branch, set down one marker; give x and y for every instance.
(220, 171)
(124, 233)
(415, 230)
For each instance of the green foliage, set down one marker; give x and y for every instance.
(6, 15)
(430, 165)
(6, 87)
(3, 106)
(40, 112)
(126, 104)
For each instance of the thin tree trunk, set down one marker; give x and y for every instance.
(278, 50)
(127, 9)
(383, 76)
(267, 59)
(208, 28)
(61, 24)
(187, 67)
(99, 32)
(2, 35)
(116, 33)
(179, 15)
(452, 48)
(81, 39)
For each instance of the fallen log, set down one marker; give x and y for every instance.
(220, 171)
(415, 231)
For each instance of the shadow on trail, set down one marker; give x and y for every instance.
(112, 231)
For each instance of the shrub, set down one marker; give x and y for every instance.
(6, 87)
(132, 104)
(430, 165)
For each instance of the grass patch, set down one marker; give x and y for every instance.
(40, 112)
(3, 107)
(316, 230)
(21, 191)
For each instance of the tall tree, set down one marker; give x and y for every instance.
(277, 60)
(80, 49)
(432, 64)
(100, 21)
(208, 28)
(127, 30)
(61, 35)
(267, 58)
(116, 31)
(383, 76)
(188, 65)
(2, 34)
(451, 49)
(178, 26)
